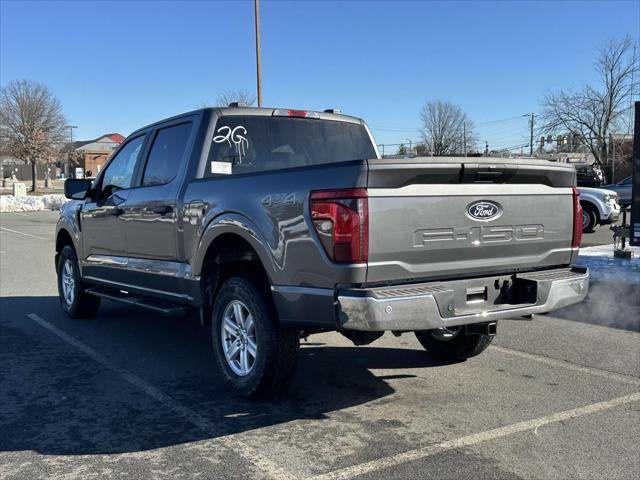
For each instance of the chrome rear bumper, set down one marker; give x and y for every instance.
(444, 304)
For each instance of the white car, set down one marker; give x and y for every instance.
(599, 207)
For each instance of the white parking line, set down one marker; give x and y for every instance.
(619, 377)
(474, 439)
(22, 233)
(263, 463)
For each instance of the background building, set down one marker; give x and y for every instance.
(90, 155)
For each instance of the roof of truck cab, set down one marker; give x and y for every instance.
(252, 111)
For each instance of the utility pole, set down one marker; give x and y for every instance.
(464, 138)
(409, 146)
(66, 160)
(486, 148)
(531, 136)
(258, 74)
(631, 96)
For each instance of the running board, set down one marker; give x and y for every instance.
(165, 308)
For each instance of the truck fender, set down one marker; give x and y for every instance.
(68, 223)
(245, 229)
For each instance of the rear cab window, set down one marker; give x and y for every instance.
(246, 144)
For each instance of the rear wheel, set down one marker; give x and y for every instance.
(75, 302)
(453, 343)
(589, 219)
(256, 355)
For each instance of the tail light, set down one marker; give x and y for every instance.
(341, 219)
(577, 219)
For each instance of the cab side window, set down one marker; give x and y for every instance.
(119, 173)
(166, 154)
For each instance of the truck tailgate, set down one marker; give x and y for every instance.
(450, 217)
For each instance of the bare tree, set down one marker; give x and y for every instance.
(230, 96)
(237, 95)
(444, 126)
(594, 111)
(32, 125)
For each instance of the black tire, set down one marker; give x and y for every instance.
(590, 219)
(465, 344)
(81, 304)
(274, 365)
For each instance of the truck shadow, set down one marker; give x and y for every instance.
(56, 400)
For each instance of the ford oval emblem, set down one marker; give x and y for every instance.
(484, 210)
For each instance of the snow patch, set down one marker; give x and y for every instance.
(9, 203)
(605, 267)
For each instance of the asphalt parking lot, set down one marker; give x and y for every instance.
(130, 394)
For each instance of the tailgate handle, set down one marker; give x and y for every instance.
(488, 176)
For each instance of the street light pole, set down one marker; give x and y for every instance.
(258, 74)
(409, 146)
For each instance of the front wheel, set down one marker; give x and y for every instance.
(453, 343)
(589, 219)
(75, 302)
(256, 355)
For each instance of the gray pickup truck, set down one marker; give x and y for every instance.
(275, 224)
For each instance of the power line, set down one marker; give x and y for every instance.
(406, 129)
(399, 130)
(515, 147)
(502, 120)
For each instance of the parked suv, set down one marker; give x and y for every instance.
(277, 223)
(599, 207)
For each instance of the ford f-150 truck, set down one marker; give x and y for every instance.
(274, 224)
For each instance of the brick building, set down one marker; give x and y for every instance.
(91, 155)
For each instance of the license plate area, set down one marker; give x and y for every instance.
(465, 297)
(477, 294)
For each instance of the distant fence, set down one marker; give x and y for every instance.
(402, 149)
(22, 171)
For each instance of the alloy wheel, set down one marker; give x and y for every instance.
(238, 336)
(586, 218)
(68, 283)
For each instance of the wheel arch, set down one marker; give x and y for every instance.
(588, 203)
(225, 251)
(63, 238)
(233, 226)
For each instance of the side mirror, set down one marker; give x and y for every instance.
(77, 188)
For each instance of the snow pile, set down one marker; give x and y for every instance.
(54, 201)
(607, 268)
(9, 203)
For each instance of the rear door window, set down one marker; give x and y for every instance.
(166, 154)
(244, 144)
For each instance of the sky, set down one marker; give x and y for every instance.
(116, 66)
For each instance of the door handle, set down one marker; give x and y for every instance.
(162, 209)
